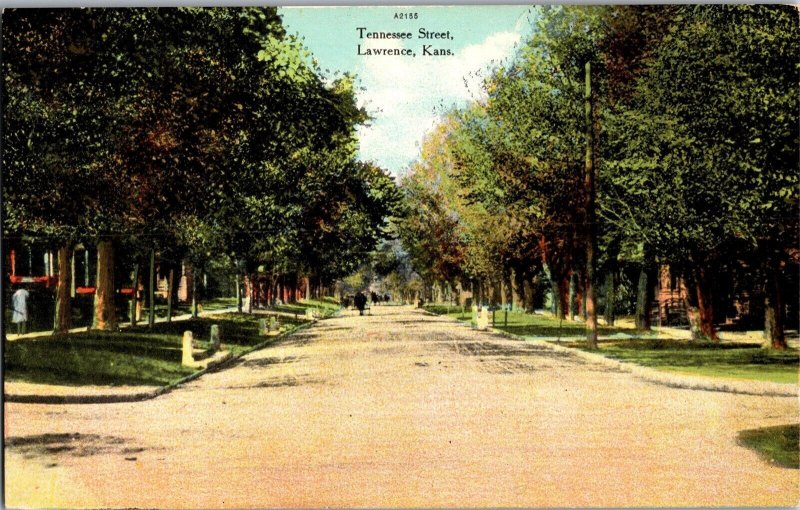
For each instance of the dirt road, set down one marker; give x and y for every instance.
(400, 409)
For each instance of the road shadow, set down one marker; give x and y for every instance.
(281, 382)
(73, 444)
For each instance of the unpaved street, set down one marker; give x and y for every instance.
(400, 409)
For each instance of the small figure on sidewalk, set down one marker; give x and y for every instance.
(19, 305)
(360, 301)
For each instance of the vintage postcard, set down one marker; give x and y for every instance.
(457, 256)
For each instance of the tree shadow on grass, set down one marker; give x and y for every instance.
(676, 353)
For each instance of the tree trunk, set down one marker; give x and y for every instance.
(293, 295)
(194, 292)
(573, 296)
(238, 293)
(105, 313)
(591, 227)
(250, 291)
(610, 297)
(705, 305)
(170, 287)
(773, 307)
(692, 314)
(699, 309)
(63, 316)
(517, 291)
(644, 298)
(151, 293)
(134, 306)
(273, 291)
(508, 293)
(527, 294)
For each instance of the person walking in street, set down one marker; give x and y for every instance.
(21, 313)
(360, 301)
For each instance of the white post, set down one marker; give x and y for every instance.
(483, 321)
(188, 358)
(214, 337)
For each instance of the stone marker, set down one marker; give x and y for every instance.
(309, 314)
(214, 338)
(263, 329)
(483, 321)
(188, 348)
(273, 324)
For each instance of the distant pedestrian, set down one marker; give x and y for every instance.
(360, 301)
(21, 313)
(374, 299)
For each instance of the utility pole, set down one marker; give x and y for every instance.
(591, 227)
(151, 319)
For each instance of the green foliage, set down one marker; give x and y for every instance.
(202, 133)
(696, 117)
(705, 153)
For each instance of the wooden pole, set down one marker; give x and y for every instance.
(194, 291)
(170, 287)
(135, 297)
(151, 294)
(591, 228)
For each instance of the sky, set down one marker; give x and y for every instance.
(406, 95)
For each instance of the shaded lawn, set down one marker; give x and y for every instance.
(238, 331)
(134, 356)
(210, 305)
(526, 324)
(735, 360)
(325, 306)
(776, 444)
(96, 359)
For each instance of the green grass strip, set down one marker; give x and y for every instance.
(778, 445)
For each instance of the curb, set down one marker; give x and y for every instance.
(672, 380)
(144, 395)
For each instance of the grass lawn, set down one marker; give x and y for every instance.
(732, 360)
(133, 356)
(775, 444)
(326, 307)
(207, 306)
(526, 324)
